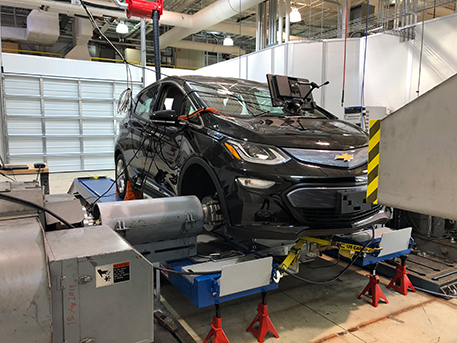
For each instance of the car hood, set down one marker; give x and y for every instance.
(294, 132)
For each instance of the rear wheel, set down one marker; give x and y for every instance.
(122, 177)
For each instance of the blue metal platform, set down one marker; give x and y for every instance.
(204, 290)
(93, 188)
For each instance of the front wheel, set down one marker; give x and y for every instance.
(122, 177)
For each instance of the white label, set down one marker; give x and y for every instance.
(110, 274)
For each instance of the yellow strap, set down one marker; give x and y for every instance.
(345, 249)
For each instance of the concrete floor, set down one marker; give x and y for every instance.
(304, 312)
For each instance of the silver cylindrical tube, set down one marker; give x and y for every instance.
(152, 220)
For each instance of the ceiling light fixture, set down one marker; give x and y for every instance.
(228, 41)
(122, 28)
(295, 16)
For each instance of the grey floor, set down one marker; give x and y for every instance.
(304, 312)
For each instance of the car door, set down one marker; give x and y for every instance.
(170, 140)
(140, 128)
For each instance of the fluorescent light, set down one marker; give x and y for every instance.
(295, 16)
(122, 28)
(228, 41)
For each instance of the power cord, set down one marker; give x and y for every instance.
(323, 282)
(36, 206)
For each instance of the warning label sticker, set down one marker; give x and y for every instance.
(110, 274)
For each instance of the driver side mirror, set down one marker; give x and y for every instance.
(165, 117)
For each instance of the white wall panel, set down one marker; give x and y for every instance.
(97, 90)
(60, 88)
(387, 76)
(98, 145)
(16, 86)
(61, 146)
(64, 163)
(279, 60)
(37, 65)
(23, 107)
(259, 65)
(18, 126)
(25, 146)
(62, 127)
(55, 108)
(98, 127)
(334, 62)
(96, 162)
(97, 109)
(439, 56)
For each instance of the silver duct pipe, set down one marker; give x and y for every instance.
(287, 21)
(272, 28)
(280, 20)
(121, 4)
(213, 14)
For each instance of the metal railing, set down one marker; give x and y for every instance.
(30, 52)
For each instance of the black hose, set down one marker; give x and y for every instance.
(33, 205)
(157, 59)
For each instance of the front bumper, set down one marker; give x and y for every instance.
(303, 209)
(293, 232)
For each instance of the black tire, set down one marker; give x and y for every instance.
(122, 176)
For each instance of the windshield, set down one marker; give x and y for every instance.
(244, 101)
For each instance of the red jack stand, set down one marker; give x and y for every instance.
(373, 289)
(130, 194)
(216, 329)
(264, 320)
(401, 282)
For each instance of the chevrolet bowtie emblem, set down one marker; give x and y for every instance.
(344, 157)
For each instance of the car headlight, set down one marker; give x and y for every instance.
(255, 153)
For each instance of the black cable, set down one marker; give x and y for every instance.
(323, 282)
(322, 267)
(31, 204)
(115, 181)
(9, 178)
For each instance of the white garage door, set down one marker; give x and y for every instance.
(71, 124)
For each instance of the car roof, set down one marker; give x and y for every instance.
(213, 80)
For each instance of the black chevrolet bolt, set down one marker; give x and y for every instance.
(274, 172)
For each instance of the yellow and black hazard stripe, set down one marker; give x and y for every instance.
(373, 161)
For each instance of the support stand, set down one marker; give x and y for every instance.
(265, 323)
(373, 289)
(130, 194)
(216, 329)
(401, 282)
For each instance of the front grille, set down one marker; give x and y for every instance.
(327, 218)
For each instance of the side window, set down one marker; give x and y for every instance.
(172, 99)
(146, 102)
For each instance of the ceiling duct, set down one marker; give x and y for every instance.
(207, 17)
(42, 28)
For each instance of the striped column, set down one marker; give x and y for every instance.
(373, 161)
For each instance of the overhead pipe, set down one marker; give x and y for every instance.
(213, 14)
(287, 10)
(272, 28)
(280, 21)
(121, 4)
(167, 18)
